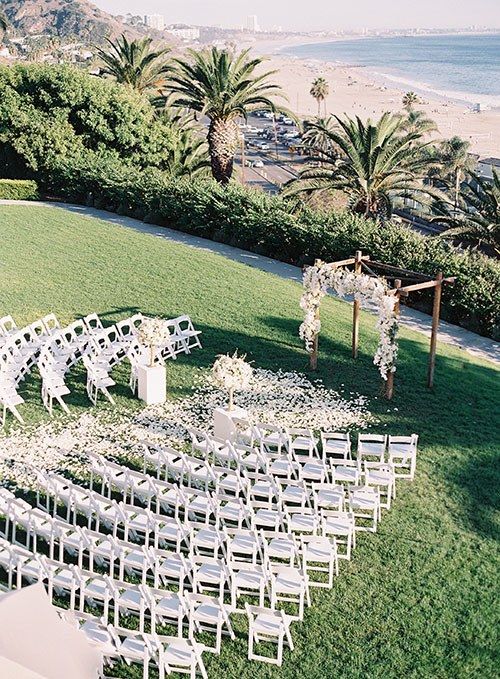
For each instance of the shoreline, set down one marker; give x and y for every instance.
(366, 92)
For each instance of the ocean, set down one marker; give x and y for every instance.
(461, 67)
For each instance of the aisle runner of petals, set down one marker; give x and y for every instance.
(282, 398)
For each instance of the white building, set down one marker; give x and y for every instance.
(252, 23)
(155, 21)
(183, 32)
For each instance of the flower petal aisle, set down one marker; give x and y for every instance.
(288, 399)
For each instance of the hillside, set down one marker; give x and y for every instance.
(64, 18)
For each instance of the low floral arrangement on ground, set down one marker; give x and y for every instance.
(231, 373)
(153, 333)
(365, 289)
(287, 399)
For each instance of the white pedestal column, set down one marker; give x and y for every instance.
(152, 382)
(224, 427)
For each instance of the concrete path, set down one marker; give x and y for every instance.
(476, 345)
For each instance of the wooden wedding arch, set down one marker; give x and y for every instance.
(404, 282)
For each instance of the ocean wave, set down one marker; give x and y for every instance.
(490, 101)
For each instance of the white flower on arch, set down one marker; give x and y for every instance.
(319, 278)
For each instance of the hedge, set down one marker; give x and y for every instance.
(18, 189)
(266, 225)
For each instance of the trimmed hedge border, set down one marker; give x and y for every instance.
(254, 221)
(18, 189)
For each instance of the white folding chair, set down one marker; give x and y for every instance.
(402, 454)
(268, 625)
(372, 447)
(336, 444)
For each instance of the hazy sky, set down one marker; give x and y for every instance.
(318, 14)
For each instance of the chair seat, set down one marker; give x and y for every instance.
(207, 612)
(130, 597)
(320, 551)
(329, 498)
(281, 548)
(244, 544)
(99, 635)
(269, 625)
(133, 648)
(248, 579)
(169, 606)
(209, 572)
(179, 653)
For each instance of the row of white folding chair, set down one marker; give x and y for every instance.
(194, 537)
(123, 597)
(66, 347)
(18, 354)
(168, 654)
(299, 468)
(199, 504)
(275, 581)
(286, 469)
(303, 441)
(265, 512)
(197, 539)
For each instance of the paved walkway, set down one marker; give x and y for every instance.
(476, 345)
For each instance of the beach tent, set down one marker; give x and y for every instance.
(36, 644)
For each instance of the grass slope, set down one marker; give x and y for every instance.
(419, 597)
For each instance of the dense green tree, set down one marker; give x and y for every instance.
(222, 86)
(48, 112)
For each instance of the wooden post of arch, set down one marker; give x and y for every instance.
(356, 308)
(313, 357)
(389, 385)
(436, 308)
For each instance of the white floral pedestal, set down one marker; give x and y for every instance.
(224, 427)
(152, 382)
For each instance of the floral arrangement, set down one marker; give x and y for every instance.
(153, 333)
(372, 291)
(231, 373)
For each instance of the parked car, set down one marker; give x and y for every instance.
(258, 163)
(264, 147)
(252, 129)
(288, 121)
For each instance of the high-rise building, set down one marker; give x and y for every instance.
(252, 23)
(155, 21)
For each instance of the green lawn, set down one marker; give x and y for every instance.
(420, 598)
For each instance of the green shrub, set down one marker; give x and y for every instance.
(254, 221)
(18, 189)
(50, 112)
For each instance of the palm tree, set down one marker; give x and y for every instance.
(222, 86)
(134, 63)
(417, 121)
(375, 164)
(478, 219)
(319, 91)
(316, 136)
(409, 100)
(456, 161)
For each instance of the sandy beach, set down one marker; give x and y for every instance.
(356, 91)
